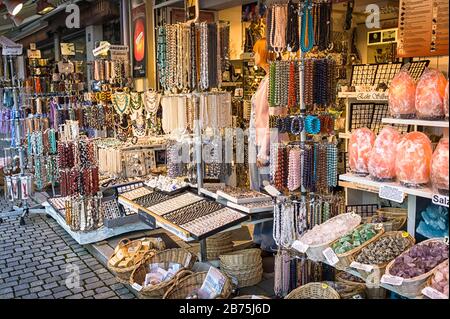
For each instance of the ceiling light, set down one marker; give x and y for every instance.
(13, 6)
(17, 20)
(44, 7)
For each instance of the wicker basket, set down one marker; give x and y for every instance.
(429, 281)
(141, 247)
(314, 252)
(314, 290)
(348, 291)
(246, 276)
(179, 256)
(397, 218)
(380, 269)
(218, 245)
(183, 287)
(412, 287)
(241, 258)
(249, 297)
(347, 258)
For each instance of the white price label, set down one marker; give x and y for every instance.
(299, 246)
(392, 193)
(391, 280)
(363, 267)
(256, 297)
(16, 49)
(433, 293)
(272, 191)
(440, 200)
(330, 256)
(136, 287)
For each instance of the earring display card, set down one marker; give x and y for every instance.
(416, 68)
(386, 72)
(374, 74)
(365, 211)
(360, 115)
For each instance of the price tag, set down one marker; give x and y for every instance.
(136, 287)
(446, 240)
(392, 280)
(299, 246)
(256, 297)
(433, 293)
(16, 49)
(405, 234)
(379, 226)
(440, 200)
(324, 286)
(272, 191)
(102, 49)
(392, 193)
(330, 256)
(34, 54)
(364, 267)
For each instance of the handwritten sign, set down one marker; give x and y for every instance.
(372, 96)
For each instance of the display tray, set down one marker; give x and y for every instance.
(249, 210)
(260, 198)
(177, 230)
(211, 193)
(121, 221)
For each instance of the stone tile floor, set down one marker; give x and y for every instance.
(39, 260)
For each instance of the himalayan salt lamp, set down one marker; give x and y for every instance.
(384, 152)
(446, 97)
(402, 94)
(360, 148)
(430, 95)
(413, 162)
(439, 167)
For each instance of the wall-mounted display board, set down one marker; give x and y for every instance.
(423, 28)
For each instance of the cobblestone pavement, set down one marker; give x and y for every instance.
(37, 259)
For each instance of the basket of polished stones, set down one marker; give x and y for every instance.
(410, 271)
(316, 240)
(374, 258)
(129, 253)
(437, 285)
(347, 291)
(156, 274)
(348, 246)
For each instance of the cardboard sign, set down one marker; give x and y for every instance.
(68, 49)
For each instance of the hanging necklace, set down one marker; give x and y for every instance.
(204, 78)
(136, 101)
(139, 127)
(151, 102)
(121, 102)
(307, 27)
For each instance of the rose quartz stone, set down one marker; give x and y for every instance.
(413, 163)
(384, 152)
(439, 166)
(439, 281)
(446, 97)
(360, 148)
(430, 94)
(402, 94)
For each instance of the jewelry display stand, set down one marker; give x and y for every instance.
(23, 210)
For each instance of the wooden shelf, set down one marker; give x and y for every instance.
(444, 124)
(365, 184)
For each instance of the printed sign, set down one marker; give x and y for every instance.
(392, 193)
(330, 256)
(440, 200)
(363, 267)
(433, 293)
(391, 280)
(299, 246)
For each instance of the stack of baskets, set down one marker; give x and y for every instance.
(218, 245)
(245, 266)
(128, 254)
(183, 287)
(176, 256)
(314, 290)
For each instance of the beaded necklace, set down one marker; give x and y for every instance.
(292, 35)
(272, 83)
(136, 101)
(204, 75)
(121, 102)
(307, 27)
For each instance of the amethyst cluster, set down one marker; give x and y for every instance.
(419, 260)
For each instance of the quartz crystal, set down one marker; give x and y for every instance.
(419, 260)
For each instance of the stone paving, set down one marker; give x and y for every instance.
(41, 261)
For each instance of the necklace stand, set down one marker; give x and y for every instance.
(23, 210)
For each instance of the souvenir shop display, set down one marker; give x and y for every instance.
(413, 161)
(166, 184)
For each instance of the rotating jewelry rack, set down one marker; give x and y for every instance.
(23, 210)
